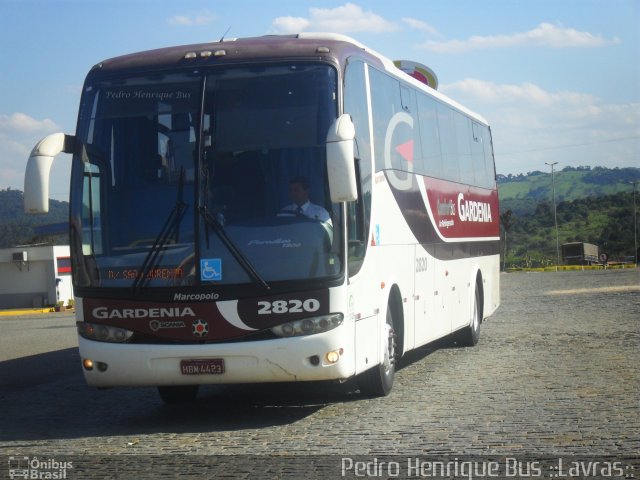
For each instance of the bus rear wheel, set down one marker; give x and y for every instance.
(378, 381)
(176, 394)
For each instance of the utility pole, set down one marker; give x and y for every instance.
(635, 224)
(555, 215)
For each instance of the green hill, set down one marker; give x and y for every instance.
(592, 205)
(18, 228)
(606, 221)
(522, 193)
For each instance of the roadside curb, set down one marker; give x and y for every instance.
(26, 311)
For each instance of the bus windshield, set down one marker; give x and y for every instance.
(207, 177)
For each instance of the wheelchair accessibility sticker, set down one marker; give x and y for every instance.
(211, 269)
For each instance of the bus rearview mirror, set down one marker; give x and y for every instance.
(341, 169)
(36, 179)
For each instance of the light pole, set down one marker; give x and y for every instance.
(555, 216)
(635, 224)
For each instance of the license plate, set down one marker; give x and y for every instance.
(209, 366)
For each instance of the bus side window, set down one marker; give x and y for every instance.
(489, 166)
(464, 140)
(357, 225)
(448, 143)
(92, 231)
(431, 155)
(359, 212)
(477, 154)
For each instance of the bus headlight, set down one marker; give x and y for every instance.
(103, 333)
(309, 326)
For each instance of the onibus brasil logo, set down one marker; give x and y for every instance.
(35, 468)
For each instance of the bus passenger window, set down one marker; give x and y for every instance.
(91, 236)
(359, 213)
(448, 142)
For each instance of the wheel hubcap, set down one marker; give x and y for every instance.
(390, 351)
(475, 321)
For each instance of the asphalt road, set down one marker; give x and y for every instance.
(555, 375)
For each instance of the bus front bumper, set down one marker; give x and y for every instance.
(317, 357)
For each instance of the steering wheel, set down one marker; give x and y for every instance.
(285, 212)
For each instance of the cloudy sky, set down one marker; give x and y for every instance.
(559, 80)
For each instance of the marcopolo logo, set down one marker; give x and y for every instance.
(195, 297)
(200, 328)
(446, 208)
(36, 468)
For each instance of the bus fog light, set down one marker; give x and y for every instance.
(333, 356)
(102, 366)
(87, 363)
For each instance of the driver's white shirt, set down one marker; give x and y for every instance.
(310, 210)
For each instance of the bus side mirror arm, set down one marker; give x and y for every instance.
(341, 169)
(36, 178)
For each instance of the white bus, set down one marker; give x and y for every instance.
(191, 263)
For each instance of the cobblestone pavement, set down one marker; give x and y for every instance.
(555, 373)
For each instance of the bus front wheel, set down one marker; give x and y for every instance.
(378, 381)
(470, 335)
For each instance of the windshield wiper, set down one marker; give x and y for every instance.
(171, 228)
(244, 262)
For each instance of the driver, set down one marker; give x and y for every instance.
(299, 192)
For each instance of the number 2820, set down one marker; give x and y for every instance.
(288, 306)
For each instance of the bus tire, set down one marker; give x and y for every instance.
(378, 381)
(469, 336)
(176, 394)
